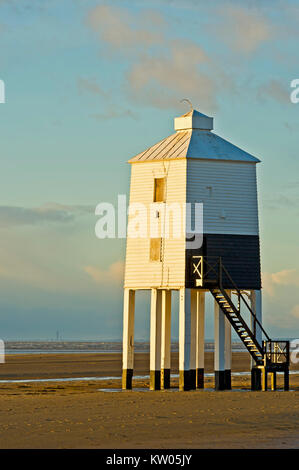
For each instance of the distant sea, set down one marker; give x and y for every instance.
(91, 347)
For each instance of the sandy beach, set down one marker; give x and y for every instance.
(79, 414)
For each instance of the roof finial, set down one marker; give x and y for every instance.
(189, 102)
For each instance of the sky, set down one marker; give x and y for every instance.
(89, 84)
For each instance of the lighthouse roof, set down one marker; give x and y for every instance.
(193, 139)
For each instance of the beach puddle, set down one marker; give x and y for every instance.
(90, 379)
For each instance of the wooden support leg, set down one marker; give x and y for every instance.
(200, 338)
(166, 339)
(264, 379)
(286, 380)
(273, 380)
(256, 307)
(256, 379)
(219, 356)
(192, 373)
(184, 339)
(227, 352)
(128, 338)
(155, 340)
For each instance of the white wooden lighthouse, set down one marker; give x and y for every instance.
(194, 165)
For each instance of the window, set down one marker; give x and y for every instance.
(159, 190)
(155, 249)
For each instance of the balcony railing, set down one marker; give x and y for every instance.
(277, 352)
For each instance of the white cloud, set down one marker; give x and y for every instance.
(114, 274)
(90, 86)
(286, 277)
(121, 30)
(295, 311)
(243, 29)
(164, 70)
(275, 89)
(11, 216)
(164, 81)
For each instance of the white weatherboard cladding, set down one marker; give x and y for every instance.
(228, 191)
(140, 272)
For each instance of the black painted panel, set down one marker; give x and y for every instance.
(240, 255)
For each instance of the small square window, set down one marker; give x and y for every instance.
(155, 249)
(159, 190)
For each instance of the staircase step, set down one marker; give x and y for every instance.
(233, 313)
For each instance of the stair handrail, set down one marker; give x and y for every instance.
(243, 298)
(223, 268)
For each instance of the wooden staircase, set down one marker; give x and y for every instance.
(232, 312)
(270, 356)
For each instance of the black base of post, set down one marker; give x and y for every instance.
(200, 378)
(127, 377)
(155, 380)
(256, 379)
(286, 380)
(219, 380)
(192, 379)
(228, 379)
(273, 381)
(184, 380)
(165, 379)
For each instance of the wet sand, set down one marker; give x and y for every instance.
(78, 415)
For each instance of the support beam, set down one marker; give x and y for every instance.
(155, 339)
(256, 307)
(256, 379)
(128, 338)
(200, 338)
(286, 379)
(166, 339)
(219, 357)
(227, 351)
(264, 379)
(184, 339)
(192, 373)
(273, 380)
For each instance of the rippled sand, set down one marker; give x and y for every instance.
(78, 415)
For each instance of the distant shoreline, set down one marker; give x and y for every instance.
(26, 347)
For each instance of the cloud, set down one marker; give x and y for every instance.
(286, 277)
(90, 86)
(292, 127)
(163, 81)
(276, 90)
(163, 70)
(117, 27)
(114, 114)
(288, 199)
(243, 29)
(113, 274)
(295, 311)
(11, 216)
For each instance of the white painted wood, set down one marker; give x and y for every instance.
(193, 329)
(219, 338)
(193, 139)
(128, 329)
(184, 329)
(228, 192)
(155, 329)
(193, 120)
(140, 272)
(166, 329)
(200, 329)
(228, 341)
(256, 306)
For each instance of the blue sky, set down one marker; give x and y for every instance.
(89, 84)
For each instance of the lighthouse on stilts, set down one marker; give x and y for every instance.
(195, 166)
